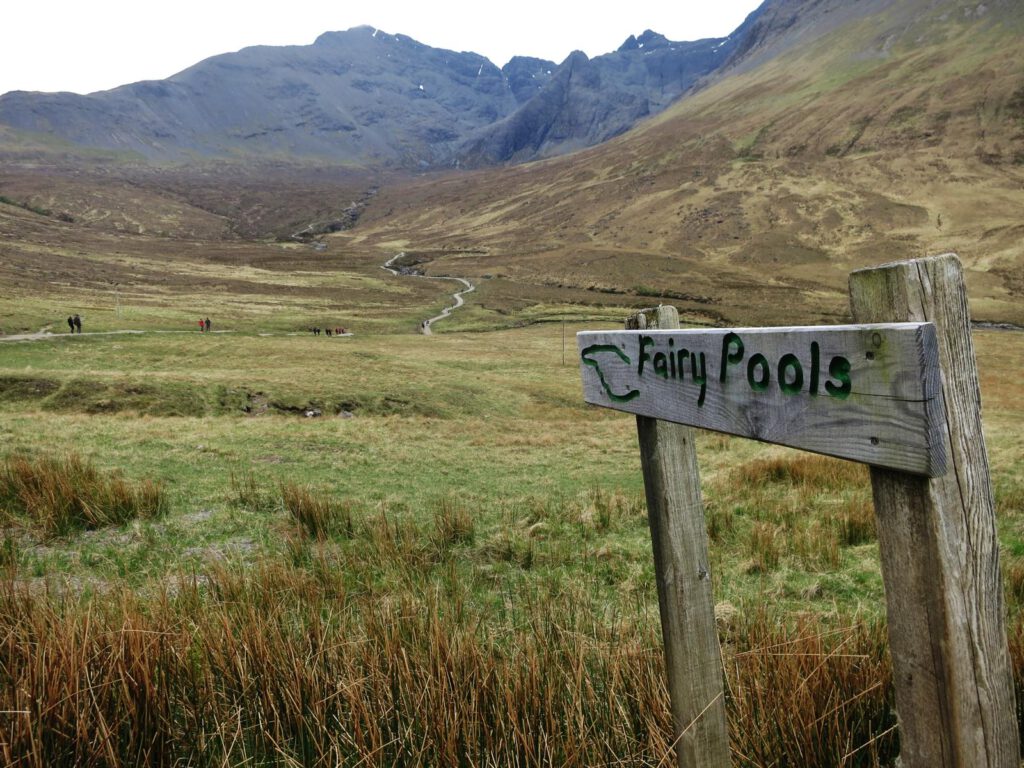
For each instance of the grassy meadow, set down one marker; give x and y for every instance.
(392, 549)
(260, 547)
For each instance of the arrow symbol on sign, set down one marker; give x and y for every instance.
(586, 356)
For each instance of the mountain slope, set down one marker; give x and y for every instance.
(839, 135)
(357, 96)
(587, 101)
(367, 98)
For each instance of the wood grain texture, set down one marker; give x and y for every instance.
(869, 393)
(939, 551)
(682, 570)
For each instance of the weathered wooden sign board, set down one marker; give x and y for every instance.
(901, 396)
(868, 393)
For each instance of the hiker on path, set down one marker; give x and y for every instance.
(207, 325)
(78, 323)
(71, 324)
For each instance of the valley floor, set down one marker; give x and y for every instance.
(452, 503)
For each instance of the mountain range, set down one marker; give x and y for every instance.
(839, 135)
(741, 179)
(369, 98)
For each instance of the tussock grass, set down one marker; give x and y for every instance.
(62, 495)
(1013, 581)
(453, 523)
(369, 645)
(317, 514)
(247, 492)
(817, 547)
(282, 664)
(765, 551)
(1009, 496)
(810, 694)
(791, 512)
(607, 508)
(720, 521)
(806, 470)
(856, 521)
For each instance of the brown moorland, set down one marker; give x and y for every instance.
(751, 200)
(848, 140)
(350, 620)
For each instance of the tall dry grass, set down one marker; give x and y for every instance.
(371, 645)
(61, 495)
(813, 694)
(246, 491)
(793, 509)
(269, 670)
(310, 664)
(316, 513)
(803, 469)
(277, 670)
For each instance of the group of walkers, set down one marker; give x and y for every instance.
(75, 326)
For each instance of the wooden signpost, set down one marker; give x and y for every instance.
(868, 393)
(898, 392)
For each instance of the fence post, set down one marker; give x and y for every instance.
(693, 656)
(939, 551)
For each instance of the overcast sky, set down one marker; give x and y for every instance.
(91, 45)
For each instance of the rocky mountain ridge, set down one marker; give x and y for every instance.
(588, 101)
(364, 97)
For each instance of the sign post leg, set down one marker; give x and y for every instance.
(693, 656)
(939, 551)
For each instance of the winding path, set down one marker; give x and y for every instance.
(459, 301)
(44, 334)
